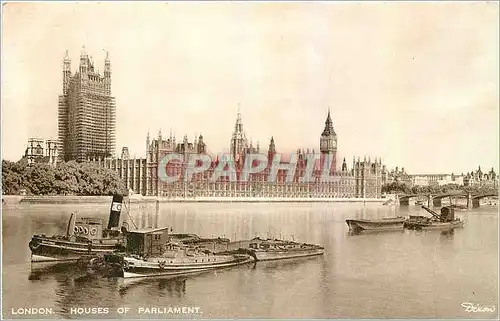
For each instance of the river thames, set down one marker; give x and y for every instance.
(408, 274)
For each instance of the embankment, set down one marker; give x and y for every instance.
(14, 200)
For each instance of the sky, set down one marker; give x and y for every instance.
(414, 83)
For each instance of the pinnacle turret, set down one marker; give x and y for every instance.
(328, 126)
(272, 147)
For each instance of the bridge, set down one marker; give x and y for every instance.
(476, 198)
(435, 200)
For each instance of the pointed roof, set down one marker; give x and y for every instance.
(238, 127)
(272, 147)
(66, 56)
(328, 126)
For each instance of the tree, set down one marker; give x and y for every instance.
(396, 187)
(68, 178)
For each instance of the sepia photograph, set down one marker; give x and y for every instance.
(250, 160)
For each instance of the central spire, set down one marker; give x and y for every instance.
(238, 127)
(239, 142)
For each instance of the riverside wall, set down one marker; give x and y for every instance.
(16, 199)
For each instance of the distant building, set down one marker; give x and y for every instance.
(420, 180)
(436, 179)
(86, 111)
(396, 175)
(41, 151)
(478, 178)
(451, 179)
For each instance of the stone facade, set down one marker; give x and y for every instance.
(363, 180)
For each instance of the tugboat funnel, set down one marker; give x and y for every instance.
(114, 213)
(71, 225)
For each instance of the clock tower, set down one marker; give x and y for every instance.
(328, 142)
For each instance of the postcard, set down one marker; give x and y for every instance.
(250, 160)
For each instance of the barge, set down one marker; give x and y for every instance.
(384, 224)
(151, 253)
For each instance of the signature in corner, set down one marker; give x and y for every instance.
(471, 307)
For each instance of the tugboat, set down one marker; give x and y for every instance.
(151, 253)
(384, 224)
(267, 250)
(84, 237)
(444, 221)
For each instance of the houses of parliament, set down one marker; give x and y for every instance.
(362, 180)
(87, 133)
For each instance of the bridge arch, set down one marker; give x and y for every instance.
(475, 199)
(404, 199)
(451, 194)
(436, 199)
(480, 196)
(408, 196)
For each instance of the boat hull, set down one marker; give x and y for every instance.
(58, 251)
(439, 226)
(376, 225)
(150, 274)
(136, 268)
(271, 255)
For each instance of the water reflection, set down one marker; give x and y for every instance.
(374, 232)
(38, 271)
(174, 286)
(287, 264)
(448, 234)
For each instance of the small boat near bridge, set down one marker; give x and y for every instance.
(384, 224)
(444, 221)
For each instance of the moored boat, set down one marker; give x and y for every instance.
(384, 224)
(274, 249)
(151, 253)
(437, 225)
(444, 221)
(84, 236)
